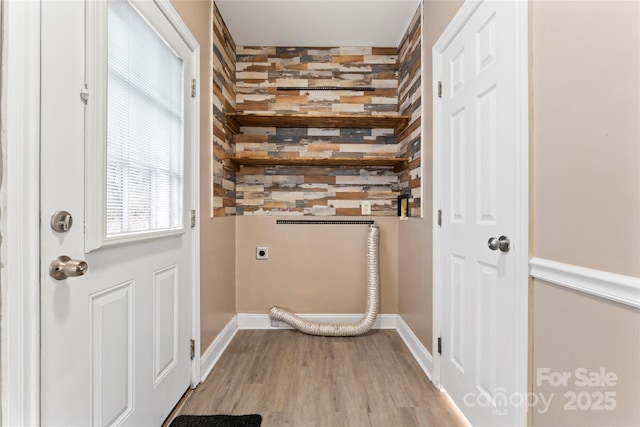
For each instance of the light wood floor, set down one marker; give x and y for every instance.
(293, 379)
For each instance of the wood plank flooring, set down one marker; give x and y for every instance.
(293, 379)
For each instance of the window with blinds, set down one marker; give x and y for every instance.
(145, 127)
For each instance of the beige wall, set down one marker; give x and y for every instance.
(573, 330)
(218, 276)
(415, 287)
(217, 237)
(312, 268)
(586, 109)
(586, 195)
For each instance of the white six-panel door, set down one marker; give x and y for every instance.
(115, 346)
(479, 143)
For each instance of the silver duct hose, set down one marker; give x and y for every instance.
(344, 329)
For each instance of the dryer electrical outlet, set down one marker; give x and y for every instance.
(262, 252)
(365, 207)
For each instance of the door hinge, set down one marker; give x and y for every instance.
(84, 94)
(192, 349)
(439, 345)
(440, 217)
(193, 218)
(193, 88)
(439, 89)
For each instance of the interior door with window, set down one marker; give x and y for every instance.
(117, 132)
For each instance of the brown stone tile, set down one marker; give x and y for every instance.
(409, 129)
(219, 153)
(346, 99)
(276, 205)
(219, 133)
(219, 212)
(252, 154)
(316, 179)
(348, 212)
(315, 202)
(251, 170)
(295, 66)
(389, 76)
(311, 171)
(361, 195)
(384, 51)
(286, 97)
(316, 108)
(242, 138)
(384, 92)
(339, 59)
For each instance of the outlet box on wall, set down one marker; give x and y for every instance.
(262, 252)
(365, 207)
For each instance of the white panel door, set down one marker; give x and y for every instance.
(479, 202)
(115, 341)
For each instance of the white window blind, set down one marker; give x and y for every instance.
(145, 127)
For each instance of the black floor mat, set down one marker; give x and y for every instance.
(253, 420)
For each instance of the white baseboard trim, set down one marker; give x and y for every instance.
(263, 321)
(217, 347)
(419, 352)
(614, 287)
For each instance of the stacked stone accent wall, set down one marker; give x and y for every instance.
(246, 79)
(316, 190)
(410, 104)
(224, 101)
(260, 70)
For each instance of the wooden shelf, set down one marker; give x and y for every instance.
(399, 163)
(397, 123)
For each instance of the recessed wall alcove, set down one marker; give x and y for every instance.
(315, 130)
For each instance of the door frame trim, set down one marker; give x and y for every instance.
(21, 220)
(182, 29)
(521, 234)
(174, 18)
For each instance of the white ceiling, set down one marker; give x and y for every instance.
(378, 23)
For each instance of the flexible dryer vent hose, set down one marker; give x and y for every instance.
(344, 329)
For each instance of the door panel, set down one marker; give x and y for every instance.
(486, 44)
(165, 325)
(486, 329)
(486, 166)
(116, 341)
(111, 356)
(458, 167)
